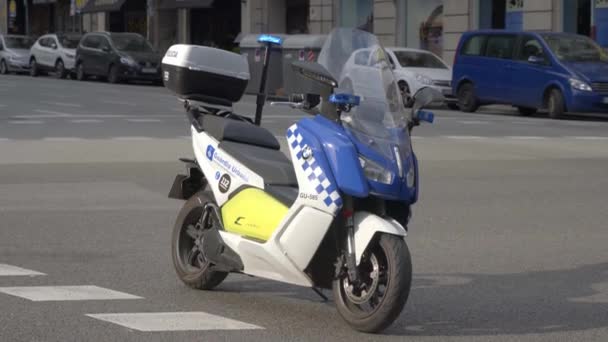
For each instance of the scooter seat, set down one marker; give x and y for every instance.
(224, 129)
(270, 164)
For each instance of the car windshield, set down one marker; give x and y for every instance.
(571, 48)
(69, 42)
(131, 43)
(18, 42)
(380, 120)
(415, 59)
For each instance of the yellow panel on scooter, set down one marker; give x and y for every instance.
(253, 213)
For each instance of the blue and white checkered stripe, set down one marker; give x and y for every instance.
(317, 180)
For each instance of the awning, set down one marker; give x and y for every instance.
(102, 6)
(172, 4)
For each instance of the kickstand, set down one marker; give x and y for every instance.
(318, 291)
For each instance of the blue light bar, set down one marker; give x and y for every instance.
(345, 99)
(266, 38)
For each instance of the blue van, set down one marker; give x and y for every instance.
(559, 72)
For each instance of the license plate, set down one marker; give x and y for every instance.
(606, 100)
(148, 70)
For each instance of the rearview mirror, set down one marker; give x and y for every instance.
(315, 72)
(54, 46)
(105, 49)
(425, 97)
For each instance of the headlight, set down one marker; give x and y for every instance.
(423, 79)
(13, 58)
(68, 55)
(374, 172)
(127, 61)
(411, 178)
(580, 85)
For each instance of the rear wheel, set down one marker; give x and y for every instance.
(80, 75)
(3, 67)
(60, 71)
(526, 111)
(189, 260)
(385, 275)
(555, 104)
(34, 72)
(406, 94)
(467, 100)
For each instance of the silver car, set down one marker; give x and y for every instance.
(15, 53)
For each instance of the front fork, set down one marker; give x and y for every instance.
(351, 258)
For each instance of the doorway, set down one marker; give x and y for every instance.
(492, 14)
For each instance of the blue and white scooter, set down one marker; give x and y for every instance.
(334, 216)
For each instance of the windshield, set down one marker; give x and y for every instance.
(131, 43)
(413, 59)
(571, 48)
(18, 42)
(69, 42)
(358, 61)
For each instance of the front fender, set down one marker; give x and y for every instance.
(367, 225)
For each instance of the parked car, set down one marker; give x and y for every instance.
(118, 57)
(416, 69)
(559, 72)
(14, 53)
(55, 53)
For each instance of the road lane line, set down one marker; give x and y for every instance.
(121, 103)
(10, 270)
(173, 321)
(472, 122)
(81, 121)
(588, 138)
(144, 120)
(63, 104)
(26, 122)
(52, 112)
(524, 137)
(62, 139)
(462, 137)
(65, 293)
(132, 138)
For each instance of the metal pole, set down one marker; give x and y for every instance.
(261, 98)
(27, 18)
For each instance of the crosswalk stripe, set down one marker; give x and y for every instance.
(173, 321)
(26, 122)
(10, 270)
(65, 293)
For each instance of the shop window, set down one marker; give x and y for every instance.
(425, 25)
(357, 13)
(297, 16)
(492, 14)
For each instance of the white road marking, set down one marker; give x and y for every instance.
(81, 121)
(63, 104)
(65, 293)
(51, 113)
(588, 138)
(524, 137)
(132, 138)
(119, 103)
(462, 137)
(62, 139)
(143, 120)
(9, 270)
(187, 137)
(26, 122)
(2, 105)
(174, 321)
(473, 122)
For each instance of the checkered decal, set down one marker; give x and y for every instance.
(317, 180)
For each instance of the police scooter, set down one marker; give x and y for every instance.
(334, 215)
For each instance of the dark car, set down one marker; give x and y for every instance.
(555, 71)
(117, 57)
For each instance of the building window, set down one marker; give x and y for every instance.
(357, 13)
(425, 25)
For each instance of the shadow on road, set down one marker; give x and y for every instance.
(507, 304)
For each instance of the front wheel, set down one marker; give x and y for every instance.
(34, 68)
(80, 75)
(113, 76)
(385, 274)
(60, 71)
(3, 67)
(189, 259)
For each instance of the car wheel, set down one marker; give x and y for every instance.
(3, 67)
(406, 94)
(80, 75)
(555, 104)
(467, 101)
(527, 111)
(34, 68)
(453, 106)
(60, 71)
(113, 76)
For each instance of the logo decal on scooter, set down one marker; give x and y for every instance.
(238, 220)
(217, 175)
(210, 152)
(306, 152)
(224, 183)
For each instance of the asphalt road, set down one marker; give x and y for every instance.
(508, 240)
